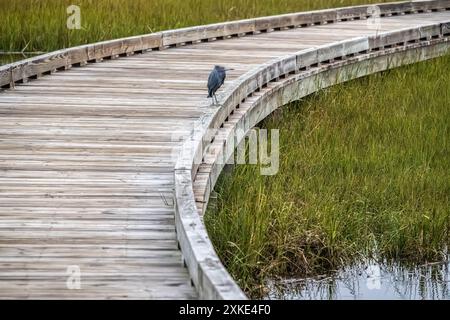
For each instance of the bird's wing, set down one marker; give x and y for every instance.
(210, 79)
(222, 76)
(214, 81)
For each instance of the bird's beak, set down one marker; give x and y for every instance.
(229, 69)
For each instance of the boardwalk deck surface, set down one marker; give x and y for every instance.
(86, 163)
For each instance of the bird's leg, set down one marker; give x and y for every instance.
(217, 103)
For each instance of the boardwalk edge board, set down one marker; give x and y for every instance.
(35, 67)
(213, 282)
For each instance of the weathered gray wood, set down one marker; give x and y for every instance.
(193, 34)
(407, 35)
(87, 168)
(65, 58)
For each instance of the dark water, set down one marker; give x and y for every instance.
(370, 282)
(8, 58)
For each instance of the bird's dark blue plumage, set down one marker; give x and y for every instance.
(215, 80)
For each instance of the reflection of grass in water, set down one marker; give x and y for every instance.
(8, 58)
(41, 25)
(361, 163)
(397, 281)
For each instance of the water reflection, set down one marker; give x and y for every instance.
(372, 281)
(9, 58)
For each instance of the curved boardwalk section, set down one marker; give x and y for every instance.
(96, 174)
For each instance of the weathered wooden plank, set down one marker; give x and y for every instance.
(87, 177)
(191, 34)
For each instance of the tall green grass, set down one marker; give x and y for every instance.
(40, 25)
(364, 172)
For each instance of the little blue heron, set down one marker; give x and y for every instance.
(215, 80)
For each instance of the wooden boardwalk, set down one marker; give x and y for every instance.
(87, 160)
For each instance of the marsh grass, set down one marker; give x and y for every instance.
(364, 173)
(40, 25)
